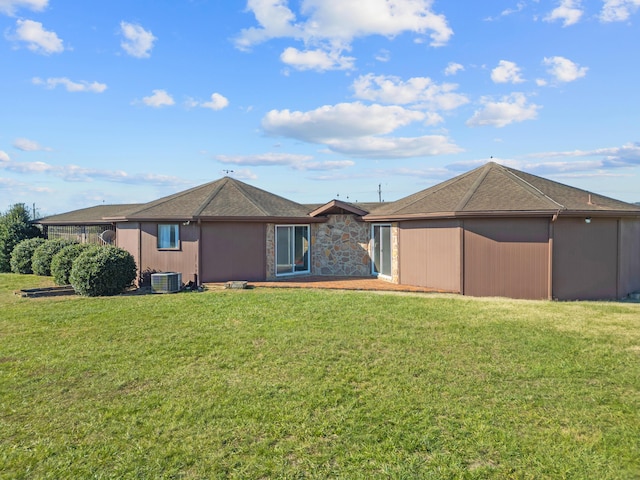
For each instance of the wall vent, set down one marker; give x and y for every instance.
(168, 282)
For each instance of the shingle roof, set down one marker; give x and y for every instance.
(90, 215)
(495, 188)
(224, 198)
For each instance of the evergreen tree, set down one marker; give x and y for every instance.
(15, 226)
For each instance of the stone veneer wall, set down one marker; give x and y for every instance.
(271, 250)
(340, 247)
(395, 252)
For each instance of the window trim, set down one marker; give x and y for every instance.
(381, 250)
(177, 234)
(292, 247)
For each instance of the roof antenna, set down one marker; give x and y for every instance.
(380, 192)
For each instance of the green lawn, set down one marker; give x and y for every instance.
(316, 384)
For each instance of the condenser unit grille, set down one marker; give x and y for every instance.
(168, 282)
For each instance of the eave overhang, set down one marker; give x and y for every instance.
(503, 214)
(257, 219)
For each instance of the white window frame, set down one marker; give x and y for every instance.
(381, 250)
(166, 233)
(291, 250)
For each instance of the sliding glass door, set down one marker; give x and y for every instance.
(381, 250)
(292, 249)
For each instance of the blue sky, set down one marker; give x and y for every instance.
(124, 102)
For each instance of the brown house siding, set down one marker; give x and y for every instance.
(128, 238)
(430, 254)
(506, 257)
(233, 251)
(585, 259)
(629, 257)
(183, 260)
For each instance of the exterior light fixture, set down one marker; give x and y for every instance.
(587, 220)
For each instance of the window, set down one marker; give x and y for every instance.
(382, 250)
(169, 236)
(292, 249)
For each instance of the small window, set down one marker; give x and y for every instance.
(169, 236)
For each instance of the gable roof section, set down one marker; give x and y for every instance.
(226, 198)
(338, 207)
(91, 215)
(498, 190)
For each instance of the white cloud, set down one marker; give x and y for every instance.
(618, 10)
(27, 145)
(75, 173)
(357, 130)
(383, 55)
(398, 147)
(218, 102)
(297, 162)
(627, 155)
(4, 156)
(9, 7)
(340, 21)
(137, 42)
(37, 38)
(416, 90)
(506, 72)
(453, 68)
(331, 26)
(510, 109)
(160, 98)
(82, 86)
(563, 69)
(569, 11)
(319, 60)
(343, 120)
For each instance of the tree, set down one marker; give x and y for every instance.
(15, 226)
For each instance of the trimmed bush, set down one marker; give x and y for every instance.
(15, 226)
(62, 261)
(42, 256)
(103, 271)
(23, 253)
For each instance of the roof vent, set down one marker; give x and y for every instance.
(168, 282)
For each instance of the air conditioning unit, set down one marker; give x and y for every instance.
(168, 282)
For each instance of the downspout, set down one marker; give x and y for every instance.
(618, 260)
(550, 272)
(140, 251)
(461, 225)
(199, 250)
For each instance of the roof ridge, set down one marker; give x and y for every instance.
(160, 201)
(210, 197)
(536, 189)
(467, 196)
(240, 186)
(431, 190)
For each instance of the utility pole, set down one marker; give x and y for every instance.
(380, 192)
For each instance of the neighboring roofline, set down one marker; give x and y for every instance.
(503, 214)
(338, 204)
(103, 221)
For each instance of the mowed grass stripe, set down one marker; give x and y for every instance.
(316, 384)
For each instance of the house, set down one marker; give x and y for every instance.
(86, 225)
(497, 231)
(493, 231)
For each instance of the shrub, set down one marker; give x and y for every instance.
(42, 256)
(15, 226)
(103, 271)
(23, 253)
(62, 261)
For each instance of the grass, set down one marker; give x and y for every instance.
(316, 384)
